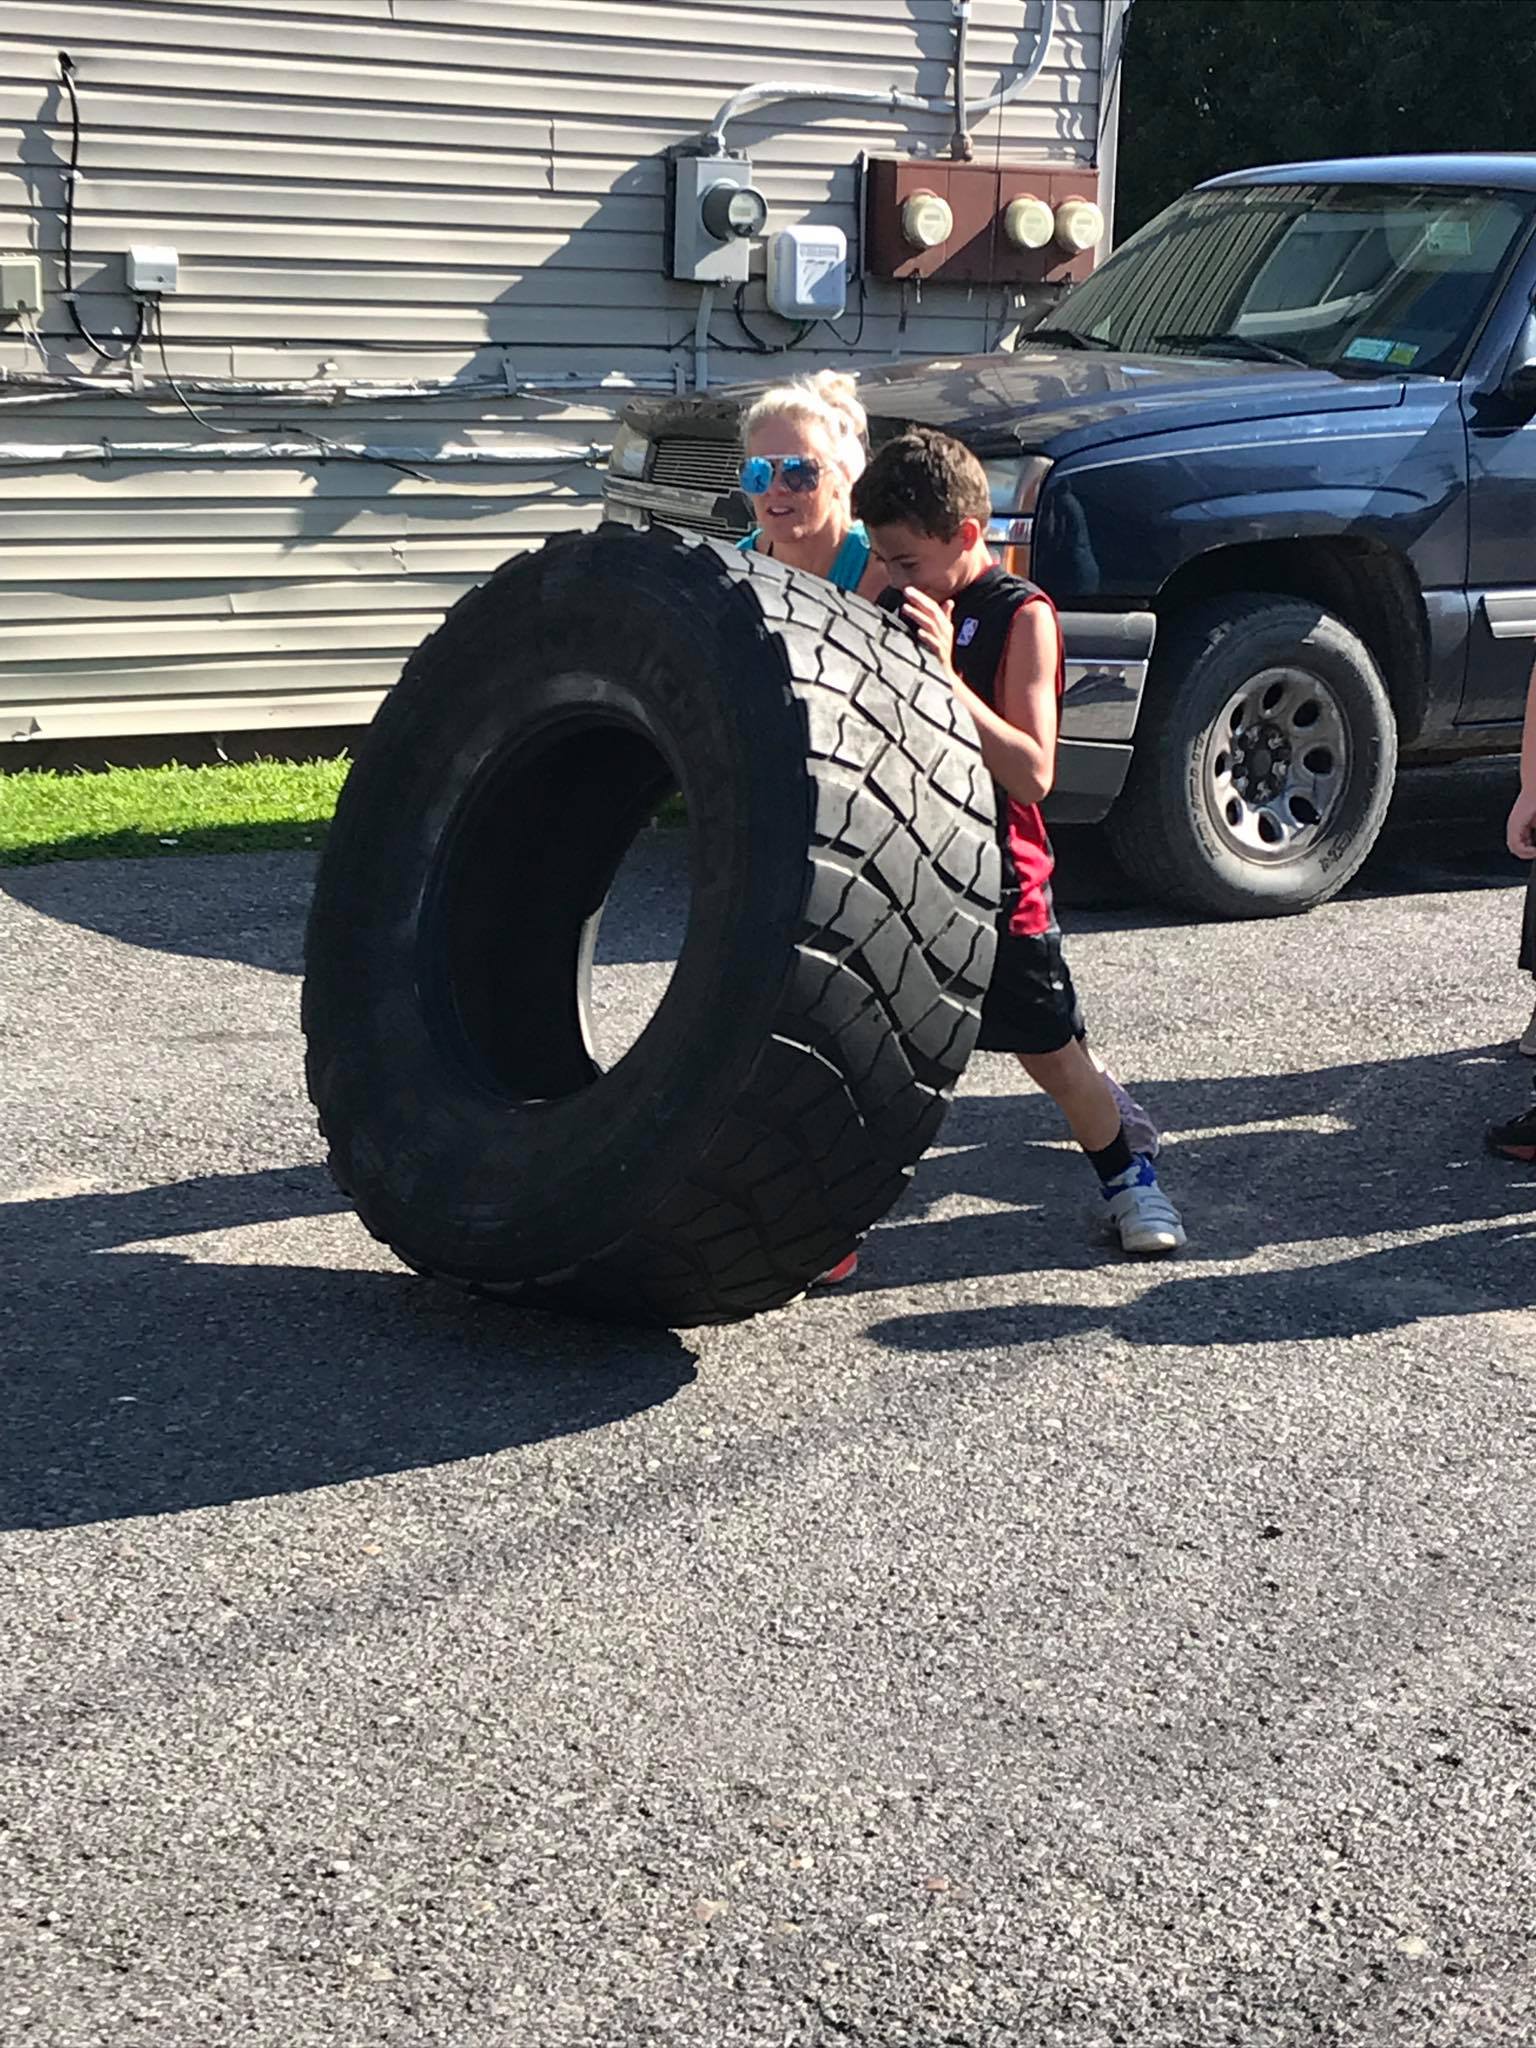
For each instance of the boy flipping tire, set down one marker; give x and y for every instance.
(925, 501)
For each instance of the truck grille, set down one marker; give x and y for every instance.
(696, 465)
(685, 462)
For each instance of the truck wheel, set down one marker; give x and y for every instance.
(1264, 760)
(826, 997)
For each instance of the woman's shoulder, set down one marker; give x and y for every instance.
(748, 541)
(853, 558)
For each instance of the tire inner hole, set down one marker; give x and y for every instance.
(557, 917)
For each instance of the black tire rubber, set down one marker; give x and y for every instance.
(845, 871)
(1159, 829)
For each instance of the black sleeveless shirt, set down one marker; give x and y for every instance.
(983, 615)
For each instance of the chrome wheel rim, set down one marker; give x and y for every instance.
(1275, 766)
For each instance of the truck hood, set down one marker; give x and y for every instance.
(1058, 400)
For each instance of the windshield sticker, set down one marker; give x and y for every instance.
(1366, 349)
(1448, 238)
(1403, 353)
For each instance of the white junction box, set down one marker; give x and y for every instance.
(152, 268)
(808, 273)
(21, 285)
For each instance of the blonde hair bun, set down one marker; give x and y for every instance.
(831, 399)
(841, 392)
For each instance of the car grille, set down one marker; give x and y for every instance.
(687, 462)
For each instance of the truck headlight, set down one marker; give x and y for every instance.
(629, 452)
(1016, 486)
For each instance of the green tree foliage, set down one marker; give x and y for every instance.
(1219, 85)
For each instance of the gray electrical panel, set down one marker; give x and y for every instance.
(716, 214)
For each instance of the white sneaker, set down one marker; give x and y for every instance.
(1528, 1042)
(1146, 1220)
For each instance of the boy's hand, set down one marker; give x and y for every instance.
(1521, 830)
(933, 624)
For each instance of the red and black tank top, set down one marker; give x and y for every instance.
(983, 615)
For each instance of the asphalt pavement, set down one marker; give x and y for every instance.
(1019, 1646)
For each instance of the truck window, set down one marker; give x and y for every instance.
(1364, 280)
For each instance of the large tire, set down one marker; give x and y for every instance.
(826, 998)
(1184, 825)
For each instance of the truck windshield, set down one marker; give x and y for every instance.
(1365, 280)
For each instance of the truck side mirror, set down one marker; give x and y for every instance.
(1518, 383)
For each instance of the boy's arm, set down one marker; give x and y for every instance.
(1522, 819)
(1018, 739)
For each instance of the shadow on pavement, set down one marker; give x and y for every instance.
(1445, 832)
(1354, 1297)
(1246, 1188)
(142, 1382)
(253, 909)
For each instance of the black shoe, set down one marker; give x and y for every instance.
(1516, 1139)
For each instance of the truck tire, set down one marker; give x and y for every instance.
(1264, 763)
(826, 998)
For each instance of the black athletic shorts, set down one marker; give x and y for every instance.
(1031, 1005)
(1528, 924)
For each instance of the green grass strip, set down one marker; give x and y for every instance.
(144, 813)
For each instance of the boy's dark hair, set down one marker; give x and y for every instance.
(925, 480)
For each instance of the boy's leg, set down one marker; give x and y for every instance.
(1141, 1133)
(1135, 1204)
(1032, 1011)
(1082, 1094)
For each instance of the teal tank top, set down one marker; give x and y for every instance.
(852, 559)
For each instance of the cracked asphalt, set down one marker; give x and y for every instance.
(1021, 1646)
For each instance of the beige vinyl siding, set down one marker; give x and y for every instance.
(404, 190)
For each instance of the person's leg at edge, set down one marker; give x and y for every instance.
(1528, 957)
(1516, 1139)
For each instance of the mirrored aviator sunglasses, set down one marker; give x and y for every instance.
(798, 473)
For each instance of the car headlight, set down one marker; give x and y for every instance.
(1016, 486)
(630, 449)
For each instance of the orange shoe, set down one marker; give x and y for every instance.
(843, 1270)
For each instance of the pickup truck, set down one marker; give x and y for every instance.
(1275, 461)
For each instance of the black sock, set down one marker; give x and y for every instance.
(1113, 1159)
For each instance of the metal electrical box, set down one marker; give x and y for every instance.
(715, 213)
(21, 285)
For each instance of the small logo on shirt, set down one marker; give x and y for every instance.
(967, 632)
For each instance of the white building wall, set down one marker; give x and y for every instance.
(399, 190)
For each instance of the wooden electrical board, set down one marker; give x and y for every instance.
(977, 251)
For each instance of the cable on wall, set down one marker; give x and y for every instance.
(71, 181)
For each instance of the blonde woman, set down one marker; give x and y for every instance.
(805, 445)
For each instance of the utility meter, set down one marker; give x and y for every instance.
(1079, 225)
(717, 213)
(926, 220)
(1028, 222)
(732, 212)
